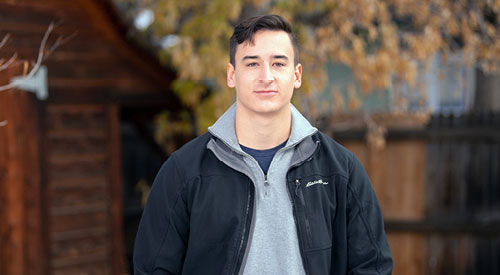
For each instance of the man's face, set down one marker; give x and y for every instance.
(264, 75)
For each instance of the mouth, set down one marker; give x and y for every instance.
(266, 92)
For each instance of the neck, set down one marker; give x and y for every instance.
(261, 132)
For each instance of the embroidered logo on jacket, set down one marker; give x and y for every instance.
(320, 181)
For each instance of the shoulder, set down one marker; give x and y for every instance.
(184, 160)
(332, 148)
(339, 158)
(195, 146)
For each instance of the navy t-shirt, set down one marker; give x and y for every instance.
(263, 157)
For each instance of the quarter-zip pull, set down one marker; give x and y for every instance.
(266, 186)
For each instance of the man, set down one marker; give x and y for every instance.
(262, 192)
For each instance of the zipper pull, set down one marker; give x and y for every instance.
(266, 186)
(298, 193)
(297, 184)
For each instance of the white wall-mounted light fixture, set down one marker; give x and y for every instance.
(36, 84)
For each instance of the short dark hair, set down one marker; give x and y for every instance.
(247, 28)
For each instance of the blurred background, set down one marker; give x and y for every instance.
(96, 94)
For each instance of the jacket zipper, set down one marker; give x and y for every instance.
(297, 183)
(301, 245)
(243, 235)
(306, 220)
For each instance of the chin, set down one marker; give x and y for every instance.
(263, 107)
(269, 109)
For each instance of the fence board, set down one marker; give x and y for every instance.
(396, 173)
(408, 253)
(463, 193)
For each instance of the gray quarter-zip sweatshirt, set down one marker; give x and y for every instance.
(273, 246)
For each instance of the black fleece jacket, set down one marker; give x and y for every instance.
(199, 212)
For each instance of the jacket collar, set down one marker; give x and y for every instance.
(224, 128)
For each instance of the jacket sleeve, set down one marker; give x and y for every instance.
(161, 240)
(368, 249)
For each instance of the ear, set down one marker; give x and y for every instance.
(298, 76)
(230, 75)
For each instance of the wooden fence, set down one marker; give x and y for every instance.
(439, 188)
(463, 194)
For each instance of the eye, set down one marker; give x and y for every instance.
(279, 64)
(253, 64)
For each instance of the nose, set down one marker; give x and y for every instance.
(266, 75)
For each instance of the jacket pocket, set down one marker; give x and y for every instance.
(320, 260)
(316, 196)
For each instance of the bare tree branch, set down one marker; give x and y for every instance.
(4, 40)
(8, 63)
(42, 55)
(2, 43)
(38, 61)
(61, 40)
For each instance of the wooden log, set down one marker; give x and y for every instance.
(21, 246)
(96, 216)
(96, 268)
(80, 233)
(78, 145)
(116, 190)
(86, 251)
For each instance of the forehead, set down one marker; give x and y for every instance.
(266, 42)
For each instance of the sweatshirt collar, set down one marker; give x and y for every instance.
(224, 128)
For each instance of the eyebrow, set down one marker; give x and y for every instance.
(280, 57)
(257, 57)
(250, 57)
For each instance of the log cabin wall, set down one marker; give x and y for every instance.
(97, 64)
(90, 79)
(81, 193)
